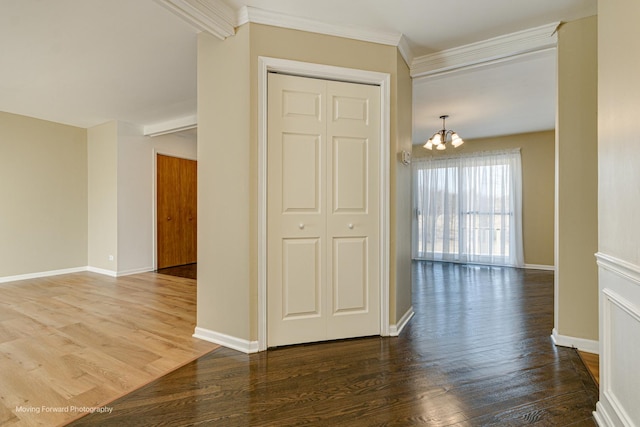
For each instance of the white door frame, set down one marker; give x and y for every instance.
(327, 72)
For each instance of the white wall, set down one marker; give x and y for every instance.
(618, 207)
(136, 192)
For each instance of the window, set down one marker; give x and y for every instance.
(468, 208)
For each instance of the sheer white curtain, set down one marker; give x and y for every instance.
(468, 208)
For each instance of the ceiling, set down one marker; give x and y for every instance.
(85, 62)
(516, 96)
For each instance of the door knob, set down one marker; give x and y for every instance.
(168, 218)
(350, 226)
(301, 226)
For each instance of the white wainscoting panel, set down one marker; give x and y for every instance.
(619, 343)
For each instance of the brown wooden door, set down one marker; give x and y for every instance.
(177, 201)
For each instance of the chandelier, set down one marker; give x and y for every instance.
(443, 136)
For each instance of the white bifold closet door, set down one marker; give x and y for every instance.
(323, 220)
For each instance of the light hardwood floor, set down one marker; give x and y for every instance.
(79, 341)
(592, 362)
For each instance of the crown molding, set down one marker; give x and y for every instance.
(405, 50)
(487, 51)
(218, 18)
(171, 126)
(212, 16)
(258, 16)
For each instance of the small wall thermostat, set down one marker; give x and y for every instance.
(405, 157)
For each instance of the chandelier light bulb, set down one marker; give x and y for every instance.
(442, 137)
(456, 141)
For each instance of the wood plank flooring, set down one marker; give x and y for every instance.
(80, 340)
(592, 362)
(189, 271)
(478, 352)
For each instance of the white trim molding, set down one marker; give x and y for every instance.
(225, 340)
(405, 50)
(90, 269)
(620, 267)
(259, 16)
(396, 330)
(540, 267)
(602, 417)
(488, 51)
(589, 346)
(265, 65)
(40, 274)
(218, 18)
(619, 304)
(614, 393)
(134, 271)
(212, 16)
(171, 126)
(102, 271)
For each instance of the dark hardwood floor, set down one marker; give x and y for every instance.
(188, 271)
(477, 353)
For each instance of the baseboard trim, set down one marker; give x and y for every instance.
(395, 330)
(135, 271)
(41, 274)
(602, 417)
(589, 346)
(225, 340)
(102, 271)
(540, 267)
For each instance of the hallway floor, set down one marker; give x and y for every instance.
(478, 352)
(187, 271)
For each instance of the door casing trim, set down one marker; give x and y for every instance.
(327, 72)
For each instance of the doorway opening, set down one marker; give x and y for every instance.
(176, 215)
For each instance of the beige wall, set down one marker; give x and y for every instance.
(227, 152)
(43, 194)
(102, 147)
(538, 187)
(71, 197)
(226, 255)
(401, 174)
(577, 182)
